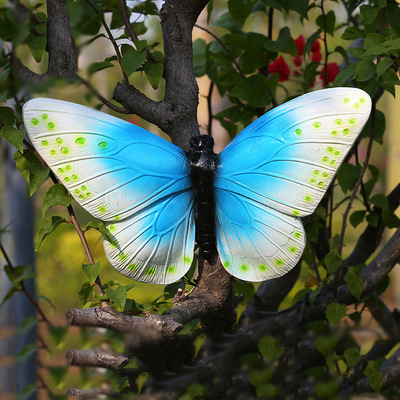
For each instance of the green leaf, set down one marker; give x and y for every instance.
(99, 66)
(258, 378)
(19, 274)
(244, 288)
(325, 344)
(326, 390)
(154, 72)
(333, 259)
(37, 46)
(254, 90)
(171, 289)
(327, 23)
(118, 296)
(390, 219)
(335, 312)
(9, 294)
(357, 217)
(354, 281)
(380, 200)
(37, 176)
(365, 70)
(48, 301)
(199, 57)
(374, 375)
(268, 390)
(7, 116)
(347, 176)
(384, 65)
(373, 219)
(14, 136)
(132, 60)
(58, 334)
(352, 33)
(100, 227)
(26, 325)
(85, 292)
(240, 9)
(270, 348)
(91, 271)
(352, 357)
(369, 13)
(284, 43)
(27, 392)
(46, 227)
(345, 75)
(300, 6)
(26, 352)
(56, 195)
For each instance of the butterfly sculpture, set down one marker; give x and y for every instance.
(274, 172)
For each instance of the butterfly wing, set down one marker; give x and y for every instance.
(125, 176)
(278, 169)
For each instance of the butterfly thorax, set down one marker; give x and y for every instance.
(203, 162)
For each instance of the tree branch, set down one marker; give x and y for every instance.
(96, 358)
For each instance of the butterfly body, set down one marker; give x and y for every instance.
(250, 197)
(203, 162)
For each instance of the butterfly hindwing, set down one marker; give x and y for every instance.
(284, 162)
(120, 173)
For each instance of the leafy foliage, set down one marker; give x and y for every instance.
(253, 66)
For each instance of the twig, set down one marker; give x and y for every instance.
(325, 43)
(23, 288)
(227, 51)
(358, 183)
(131, 32)
(86, 248)
(106, 102)
(110, 36)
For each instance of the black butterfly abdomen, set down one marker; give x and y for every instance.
(203, 162)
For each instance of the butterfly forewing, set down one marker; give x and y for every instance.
(285, 161)
(122, 174)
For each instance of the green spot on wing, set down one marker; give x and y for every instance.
(80, 141)
(293, 249)
(132, 267)
(338, 121)
(60, 170)
(51, 125)
(122, 256)
(151, 271)
(262, 268)
(102, 209)
(34, 121)
(187, 260)
(171, 269)
(244, 268)
(45, 143)
(298, 234)
(59, 141)
(352, 121)
(53, 152)
(296, 212)
(317, 124)
(226, 264)
(74, 177)
(64, 150)
(103, 145)
(334, 133)
(298, 132)
(346, 100)
(278, 262)
(68, 168)
(45, 116)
